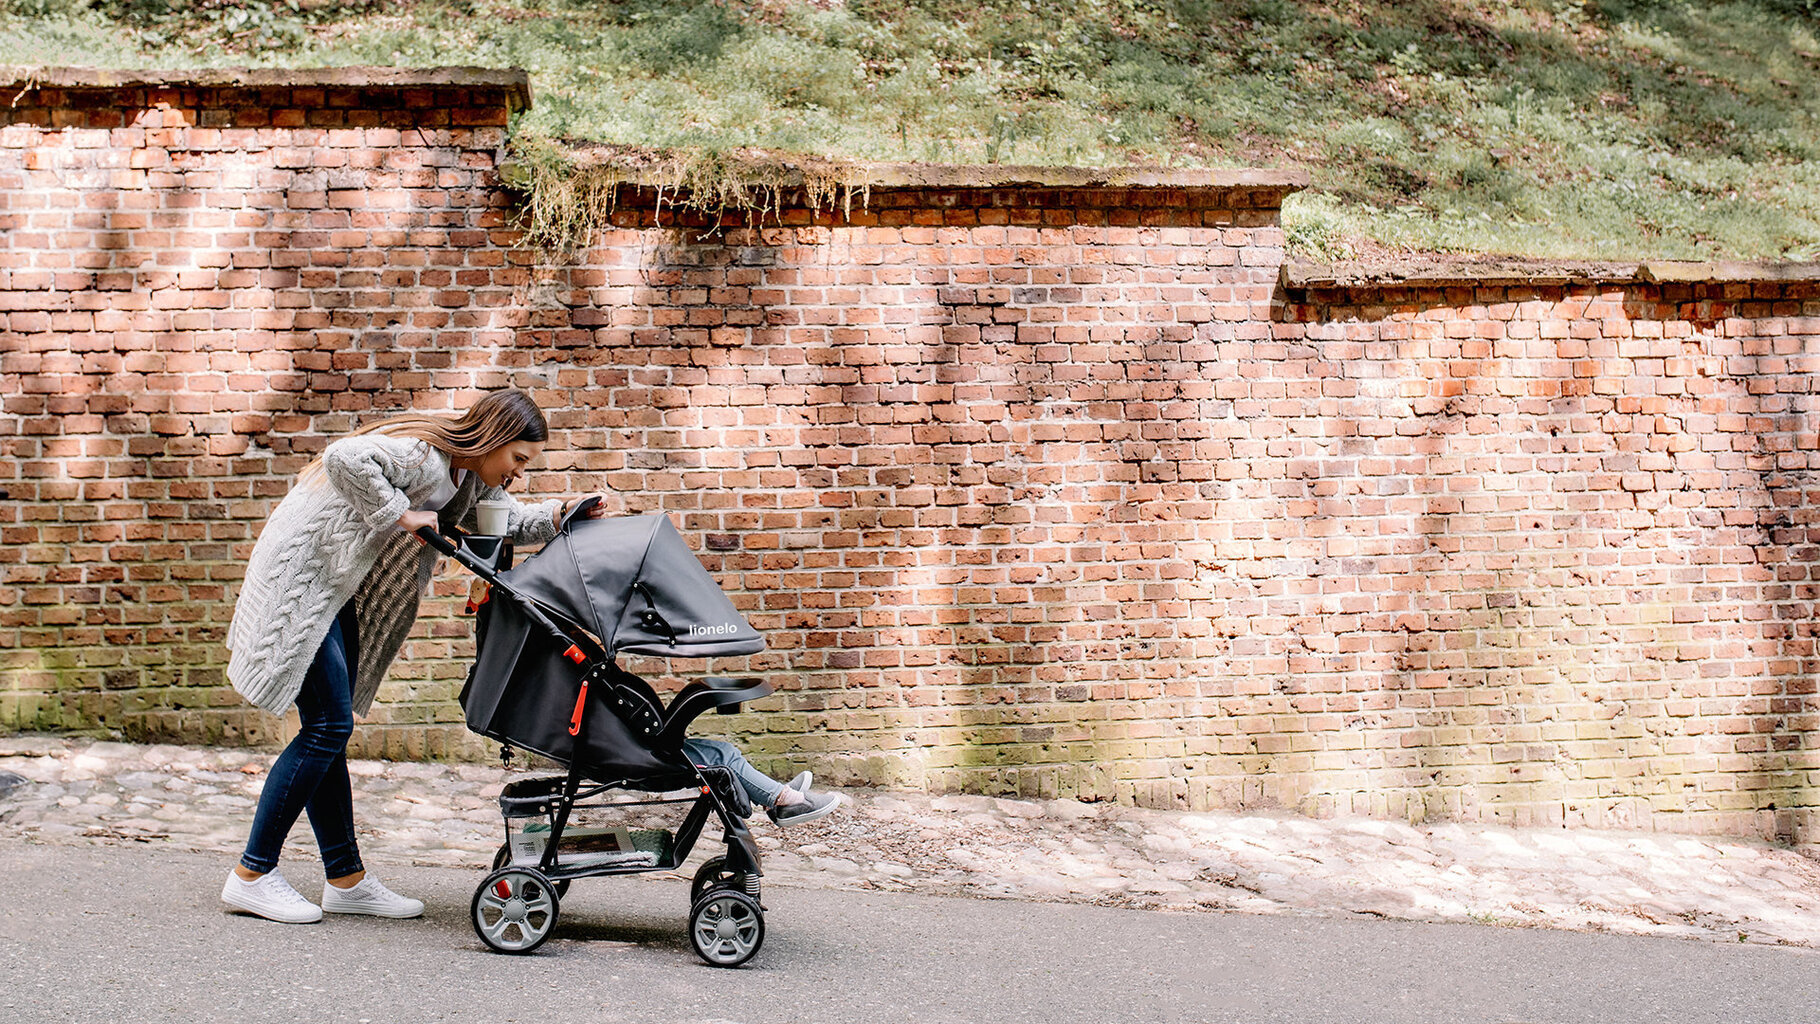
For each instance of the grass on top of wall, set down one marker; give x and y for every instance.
(1609, 129)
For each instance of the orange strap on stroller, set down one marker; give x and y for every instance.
(576, 655)
(581, 700)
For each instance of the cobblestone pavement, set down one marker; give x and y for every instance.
(1726, 890)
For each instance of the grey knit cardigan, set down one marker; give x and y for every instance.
(320, 546)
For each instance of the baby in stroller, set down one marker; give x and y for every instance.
(785, 803)
(546, 679)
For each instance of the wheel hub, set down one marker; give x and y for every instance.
(515, 909)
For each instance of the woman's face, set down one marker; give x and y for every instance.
(506, 463)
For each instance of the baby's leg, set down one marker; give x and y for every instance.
(762, 788)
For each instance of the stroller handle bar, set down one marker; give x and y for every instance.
(479, 567)
(441, 542)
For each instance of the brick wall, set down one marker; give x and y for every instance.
(203, 279)
(1555, 562)
(1046, 486)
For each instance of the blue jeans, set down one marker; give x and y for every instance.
(312, 773)
(762, 788)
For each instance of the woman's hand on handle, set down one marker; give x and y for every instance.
(417, 519)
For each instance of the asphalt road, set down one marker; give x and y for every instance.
(134, 933)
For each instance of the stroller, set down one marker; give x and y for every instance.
(545, 680)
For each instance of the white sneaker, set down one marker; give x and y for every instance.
(270, 897)
(367, 896)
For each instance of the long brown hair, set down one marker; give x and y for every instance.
(499, 418)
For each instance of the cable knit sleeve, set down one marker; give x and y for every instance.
(371, 472)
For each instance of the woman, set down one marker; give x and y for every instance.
(330, 593)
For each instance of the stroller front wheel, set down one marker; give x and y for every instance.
(514, 910)
(726, 927)
(716, 875)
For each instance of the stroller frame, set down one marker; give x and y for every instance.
(516, 907)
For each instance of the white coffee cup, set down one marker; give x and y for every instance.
(492, 517)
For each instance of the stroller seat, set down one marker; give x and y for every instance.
(639, 704)
(665, 728)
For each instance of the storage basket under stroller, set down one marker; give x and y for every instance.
(545, 679)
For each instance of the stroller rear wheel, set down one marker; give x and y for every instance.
(514, 910)
(504, 857)
(726, 927)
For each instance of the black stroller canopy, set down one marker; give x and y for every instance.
(635, 585)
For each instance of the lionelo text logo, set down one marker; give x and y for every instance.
(724, 629)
